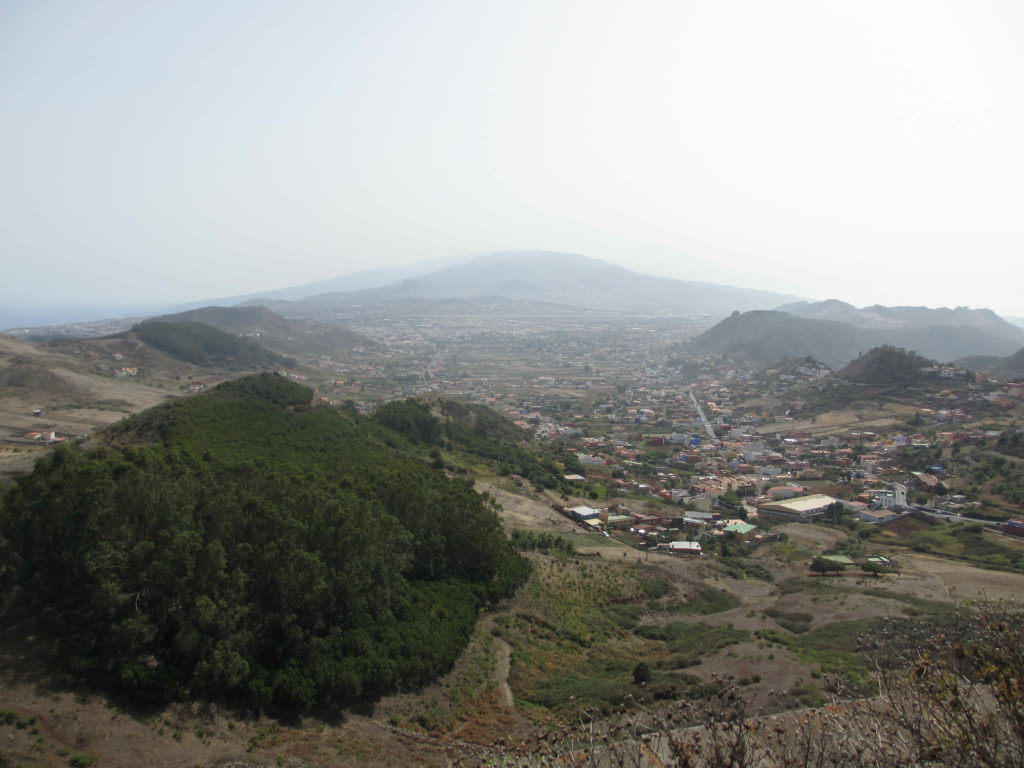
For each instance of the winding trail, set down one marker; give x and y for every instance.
(501, 670)
(502, 664)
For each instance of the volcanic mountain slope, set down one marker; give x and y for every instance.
(763, 337)
(558, 279)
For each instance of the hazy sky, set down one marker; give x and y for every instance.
(173, 150)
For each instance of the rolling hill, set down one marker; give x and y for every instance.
(76, 384)
(763, 337)
(206, 346)
(287, 336)
(885, 365)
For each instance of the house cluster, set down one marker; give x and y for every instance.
(674, 535)
(632, 427)
(663, 448)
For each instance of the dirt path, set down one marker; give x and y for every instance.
(501, 670)
(502, 664)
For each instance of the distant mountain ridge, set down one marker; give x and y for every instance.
(763, 337)
(356, 281)
(1009, 368)
(878, 317)
(562, 279)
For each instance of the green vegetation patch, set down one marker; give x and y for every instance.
(525, 541)
(692, 639)
(705, 600)
(482, 433)
(595, 685)
(264, 550)
(791, 552)
(967, 541)
(833, 648)
(1011, 442)
(938, 612)
(794, 621)
(742, 567)
(205, 345)
(574, 649)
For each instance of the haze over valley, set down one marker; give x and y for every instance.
(511, 384)
(697, 456)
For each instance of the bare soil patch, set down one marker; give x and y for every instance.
(812, 536)
(532, 513)
(952, 580)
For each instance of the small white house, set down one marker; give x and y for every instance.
(684, 548)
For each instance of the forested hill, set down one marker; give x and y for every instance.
(474, 429)
(203, 344)
(885, 365)
(249, 546)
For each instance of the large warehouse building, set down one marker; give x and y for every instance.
(801, 508)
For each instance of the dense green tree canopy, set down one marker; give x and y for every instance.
(245, 544)
(480, 432)
(205, 345)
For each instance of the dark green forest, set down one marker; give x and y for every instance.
(205, 345)
(1011, 442)
(479, 431)
(245, 545)
(885, 365)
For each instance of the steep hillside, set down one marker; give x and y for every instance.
(476, 430)
(205, 345)
(245, 545)
(291, 337)
(1009, 368)
(236, 320)
(764, 337)
(761, 338)
(878, 317)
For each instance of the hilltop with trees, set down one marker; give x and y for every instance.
(885, 365)
(206, 345)
(245, 545)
